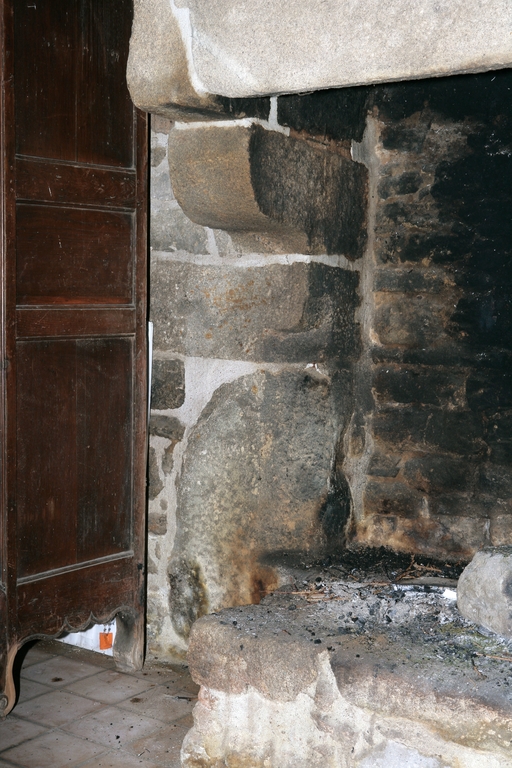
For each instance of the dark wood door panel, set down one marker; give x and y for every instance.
(105, 438)
(46, 69)
(75, 432)
(51, 182)
(56, 321)
(70, 79)
(46, 453)
(51, 600)
(104, 27)
(73, 255)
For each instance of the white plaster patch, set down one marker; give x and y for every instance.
(182, 16)
(257, 259)
(202, 377)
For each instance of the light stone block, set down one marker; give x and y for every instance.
(484, 592)
(238, 49)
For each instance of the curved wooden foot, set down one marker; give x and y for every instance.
(8, 695)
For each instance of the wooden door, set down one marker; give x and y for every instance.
(73, 414)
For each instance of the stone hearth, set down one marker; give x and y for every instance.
(337, 673)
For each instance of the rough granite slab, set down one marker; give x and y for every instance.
(369, 675)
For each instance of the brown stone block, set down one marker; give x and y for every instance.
(157, 523)
(455, 538)
(409, 321)
(392, 498)
(280, 313)
(247, 179)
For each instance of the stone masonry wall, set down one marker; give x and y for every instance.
(435, 459)
(305, 401)
(252, 389)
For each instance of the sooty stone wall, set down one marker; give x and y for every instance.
(438, 440)
(302, 403)
(254, 351)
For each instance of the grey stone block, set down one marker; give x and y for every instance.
(167, 385)
(166, 426)
(297, 313)
(256, 480)
(484, 591)
(171, 230)
(154, 481)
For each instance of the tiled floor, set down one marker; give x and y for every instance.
(74, 710)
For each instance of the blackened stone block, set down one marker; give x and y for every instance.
(404, 137)
(384, 465)
(438, 473)
(464, 505)
(499, 438)
(392, 498)
(405, 184)
(489, 390)
(409, 281)
(296, 313)
(437, 247)
(460, 432)
(419, 386)
(167, 384)
(400, 428)
(335, 113)
(495, 480)
(248, 179)
(301, 184)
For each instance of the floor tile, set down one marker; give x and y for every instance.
(187, 721)
(114, 727)
(29, 689)
(53, 750)
(57, 708)
(162, 675)
(14, 731)
(34, 655)
(189, 687)
(58, 671)
(159, 703)
(162, 747)
(111, 687)
(121, 759)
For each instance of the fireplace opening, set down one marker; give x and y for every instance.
(332, 403)
(354, 392)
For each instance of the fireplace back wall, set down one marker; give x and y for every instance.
(315, 391)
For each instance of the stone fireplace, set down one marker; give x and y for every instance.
(332, 301)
